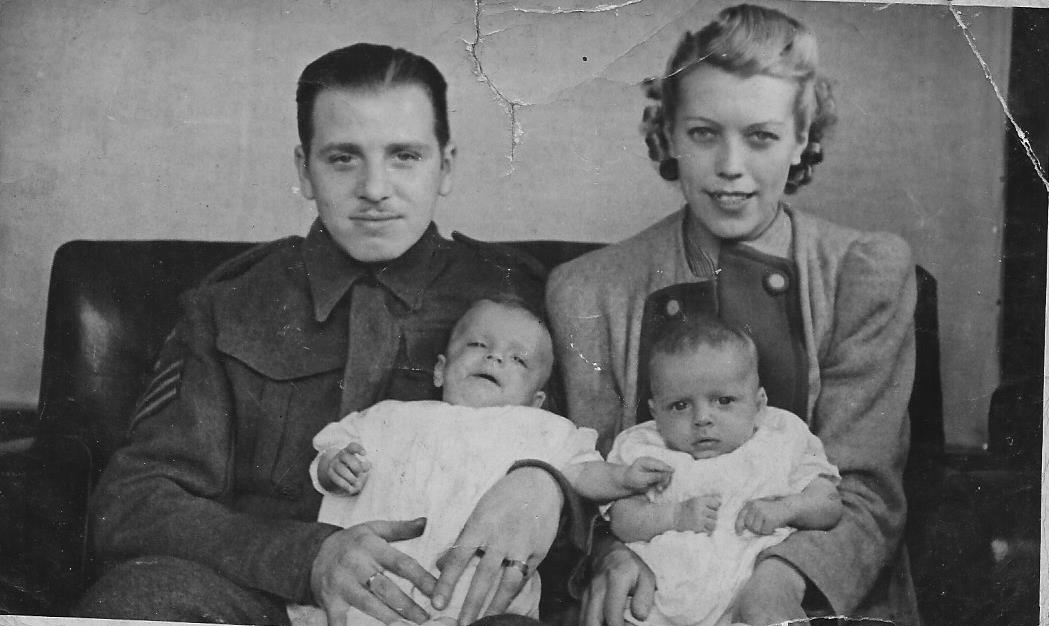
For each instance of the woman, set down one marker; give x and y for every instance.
(738, 122)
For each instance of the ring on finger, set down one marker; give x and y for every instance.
(371, 579)
(517, 564)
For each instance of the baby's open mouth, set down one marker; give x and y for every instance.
(488, 377)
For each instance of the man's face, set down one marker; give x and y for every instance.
(375, 168)
(497, 356)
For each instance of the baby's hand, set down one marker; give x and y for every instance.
(346, 469)
(699, 514)
(645, 473)
(762, 516)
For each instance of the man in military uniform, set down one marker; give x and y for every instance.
(208, 514)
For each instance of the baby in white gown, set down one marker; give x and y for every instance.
(745, 474)
(435, 459)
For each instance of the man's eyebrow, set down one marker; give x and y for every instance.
(339, 147)
(413, 146)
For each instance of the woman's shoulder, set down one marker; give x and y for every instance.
(627, 257)
(831, 244)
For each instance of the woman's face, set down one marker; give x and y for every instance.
(735, 140)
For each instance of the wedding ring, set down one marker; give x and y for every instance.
(368, 583)
(517, 563)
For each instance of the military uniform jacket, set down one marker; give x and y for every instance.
(277, 343)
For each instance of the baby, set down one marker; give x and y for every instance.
(403, 460)
(745, 474)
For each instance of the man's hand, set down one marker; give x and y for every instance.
(348, 571)
(773, 594)
(645, 473)
(618, 574)
(762, 516)
(344, 470)
(515, 520)
(699, 514)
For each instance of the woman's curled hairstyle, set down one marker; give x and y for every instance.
(746, 40)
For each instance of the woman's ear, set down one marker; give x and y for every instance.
(538, 399)
(803, 142)
(438, 371)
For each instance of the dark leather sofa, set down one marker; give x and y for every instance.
(110, 306)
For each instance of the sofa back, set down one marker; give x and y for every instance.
(111, 305)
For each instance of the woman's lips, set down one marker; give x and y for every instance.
(730, 200)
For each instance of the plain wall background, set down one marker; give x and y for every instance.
(147, 119)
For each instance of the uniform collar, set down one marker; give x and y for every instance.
(331, 272)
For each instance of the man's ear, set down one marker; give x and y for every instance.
(303, 169)
(438, 371)
(448, 154)
(539, 399)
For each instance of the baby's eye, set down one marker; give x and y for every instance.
(726, 400)
(680, 405)
(520, 361)
(475, 344)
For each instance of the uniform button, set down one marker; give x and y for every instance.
(673, 307)
(776, 283)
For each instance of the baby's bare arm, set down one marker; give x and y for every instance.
(817, 507)
(637, 519)
(603, 482)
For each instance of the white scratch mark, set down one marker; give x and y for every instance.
(601, 8)
(509, 105)
(1020, 134)
(582, 357)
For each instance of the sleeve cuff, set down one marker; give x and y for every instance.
(574, 522)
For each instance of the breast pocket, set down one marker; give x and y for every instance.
(278, 410)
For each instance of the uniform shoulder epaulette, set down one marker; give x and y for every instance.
(240, 263)
(504, 255)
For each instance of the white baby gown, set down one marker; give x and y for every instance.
(699, 576)
(435, 460)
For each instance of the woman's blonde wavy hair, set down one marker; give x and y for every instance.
(746, 40)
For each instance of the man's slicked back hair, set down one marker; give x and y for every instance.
(370, 66)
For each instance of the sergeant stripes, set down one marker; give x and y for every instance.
(162, 390)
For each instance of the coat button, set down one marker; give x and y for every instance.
(673, 307)
(776, 283)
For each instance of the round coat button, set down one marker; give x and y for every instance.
(673, 307)
(775, 283)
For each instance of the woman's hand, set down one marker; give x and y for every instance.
(773, 594)
(618, 574)
(348, 571)
(511, 530)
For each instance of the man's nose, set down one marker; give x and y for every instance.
(374, 185)
(729, 159)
